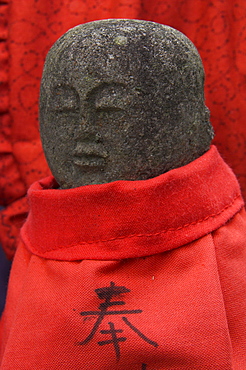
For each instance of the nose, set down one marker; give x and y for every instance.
(87, 132)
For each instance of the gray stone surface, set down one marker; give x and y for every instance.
(122, 100)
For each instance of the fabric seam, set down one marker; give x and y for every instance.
(144, 235)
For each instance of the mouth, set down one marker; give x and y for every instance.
(89, 161)
(90, 155)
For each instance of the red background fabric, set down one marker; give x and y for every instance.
(29, 28)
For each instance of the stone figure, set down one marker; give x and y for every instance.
(138, 275)
(122, 100)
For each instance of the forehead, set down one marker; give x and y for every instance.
(152, 61)
(112, 58)
(120, 44)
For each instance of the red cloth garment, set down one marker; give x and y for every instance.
(142, 275)
(29, 28)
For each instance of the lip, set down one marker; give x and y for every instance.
(90, 161)
(90, 155)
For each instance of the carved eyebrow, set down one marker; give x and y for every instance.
(109, 96)
(104, 86)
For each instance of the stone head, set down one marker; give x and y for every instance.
(122, 100)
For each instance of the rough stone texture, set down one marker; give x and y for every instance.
(122, 100)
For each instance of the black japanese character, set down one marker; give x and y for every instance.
(107, 294)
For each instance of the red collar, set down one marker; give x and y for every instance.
(125, 219)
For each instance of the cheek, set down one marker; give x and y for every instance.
(58, 142)
(61, 127)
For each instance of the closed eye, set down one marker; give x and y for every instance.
(66, 109)
(109, 109)
(108, 97)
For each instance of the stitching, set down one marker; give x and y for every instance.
(147, 235)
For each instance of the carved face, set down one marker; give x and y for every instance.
(93, 123)
(109, 109)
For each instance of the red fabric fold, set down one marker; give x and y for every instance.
(126, 219)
